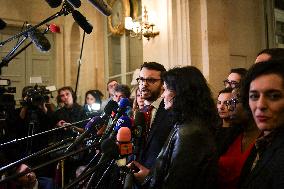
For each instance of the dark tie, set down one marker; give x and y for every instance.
(148, 115)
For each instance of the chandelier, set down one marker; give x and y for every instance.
(141, 28)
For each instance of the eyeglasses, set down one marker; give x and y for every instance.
(232, 104)
(147, 80)
(227, 103)
(232, 84)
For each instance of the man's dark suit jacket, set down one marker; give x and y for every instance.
(160, 130)
(269, 170)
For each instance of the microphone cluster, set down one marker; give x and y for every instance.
(121, 140)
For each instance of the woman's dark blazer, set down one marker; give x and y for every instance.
(269, 170)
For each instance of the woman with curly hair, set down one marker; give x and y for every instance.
(188, 158)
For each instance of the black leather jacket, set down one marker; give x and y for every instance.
(187, 160)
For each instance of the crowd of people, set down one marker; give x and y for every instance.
(189, 140)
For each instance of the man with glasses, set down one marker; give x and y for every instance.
(159, 127)
(235, 77)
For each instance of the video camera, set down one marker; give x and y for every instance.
(4, 83)
(35, 96)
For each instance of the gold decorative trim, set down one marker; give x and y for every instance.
(119, 29)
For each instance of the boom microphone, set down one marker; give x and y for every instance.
(82, 21)
(39, 40)
(102, 6)
(54, 3)
(75, 3)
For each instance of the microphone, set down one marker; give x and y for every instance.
(75, 3)
(92, 124)
(123, 139)
(54, 28)
(39, 40)
(110, 150)
(82, 21)
(2, 24)
(123, 121)
(102, 7)
(123, 103)
(54, 3)
(125, 146)
(138, 130)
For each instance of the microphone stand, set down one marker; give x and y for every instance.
(80, 62)
(87, 174)
(65, 10)
(11, 55)
(45, 164)
(89, 164)
(41, 152)
(7, 58)
(105, 172)
(44, 132)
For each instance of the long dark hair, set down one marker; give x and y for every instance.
(193, 98)
(96, 94)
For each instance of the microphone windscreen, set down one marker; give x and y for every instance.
(123, 103)
(75, 3)
(2, 24)
(54, 3)
(82, 21)
(109, 149)
(139, 125)
(139, 119)
(123, 121)
(102, 6)
(54, 28)
(111, 106)
(93, 121)
(39, 40)
(123, 135)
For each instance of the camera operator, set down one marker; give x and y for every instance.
(34, 117)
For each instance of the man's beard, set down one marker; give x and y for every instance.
(154, 95)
